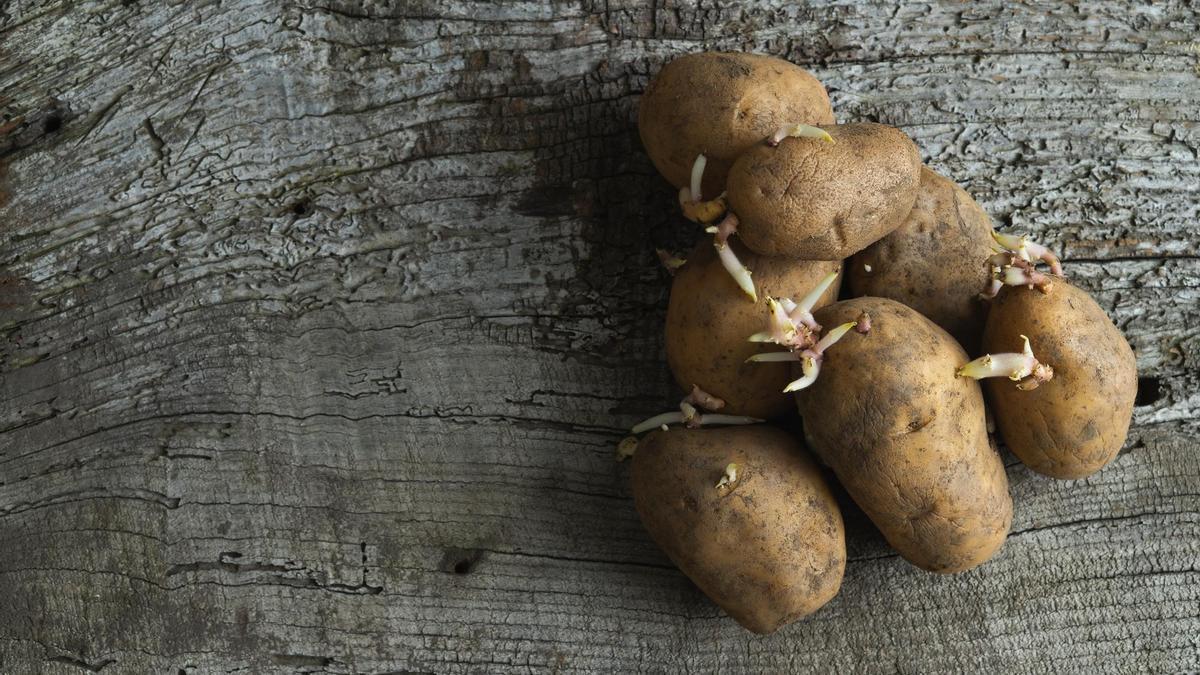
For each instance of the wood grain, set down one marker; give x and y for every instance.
(319, 325)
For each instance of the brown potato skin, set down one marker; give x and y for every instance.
(935, 261)
(709, 319)
(807, 198)
(769, 551)
(907, 438)
(719, 104)
(1075, 424)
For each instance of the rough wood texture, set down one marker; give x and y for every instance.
(320, 324)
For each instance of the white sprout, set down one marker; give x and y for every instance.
(685, 197)
(739, 272)
(802, 311)
(1022, 368)
(697, 175)
(661, 420)
(798, 131)
(810, 366)
(833, 336)
(810, 359)
(730, 476)
(691, 202)
(729, 260)
(782, 328)
(690, 416)
(993, 288)
(773, 357)
(1007, 269)
(792, 325)
(668, 418)
(1028, 250)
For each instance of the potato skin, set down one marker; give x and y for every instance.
(719, 104)
(709, 319)
(807, 198)
(769, 551)
(907, 438)
(935, 261)
(1075, 424)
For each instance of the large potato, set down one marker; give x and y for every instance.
(1074, 424)
(769, 547)
(808, 198)
(709, 319)
(934, 262)
(719, 104)
(907, 437)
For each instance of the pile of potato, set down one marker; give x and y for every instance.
(885, 384)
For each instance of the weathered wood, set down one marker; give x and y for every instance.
(320, 324)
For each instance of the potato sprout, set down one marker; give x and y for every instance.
(730, 477)
(690, 415)
(691, 200)
(798, 131)
(1023, 368)
(1015, 265)
(1028, 250)
(729, 259)
(792, 325)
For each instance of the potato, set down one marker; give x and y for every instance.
(709, 320)
(719, 104)
(907, 438)
(808, 198)
(768, 546)
(934, 262)
(1074, 424)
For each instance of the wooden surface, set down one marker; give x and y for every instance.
(319, 324)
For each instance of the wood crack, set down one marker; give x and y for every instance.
(225, 221)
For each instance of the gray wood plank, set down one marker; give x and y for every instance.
(319, 325)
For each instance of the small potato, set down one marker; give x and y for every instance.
(808, 198)
(934, 261)
(719, 104)
(767, 544)
(1075, 423)
(907, 437)
(709, 320)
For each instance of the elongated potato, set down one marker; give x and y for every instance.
(767, 546)
(709, 319)
(907, 438)
(808, 198)
(1074, 424)
(719, 104)
(933, 262)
